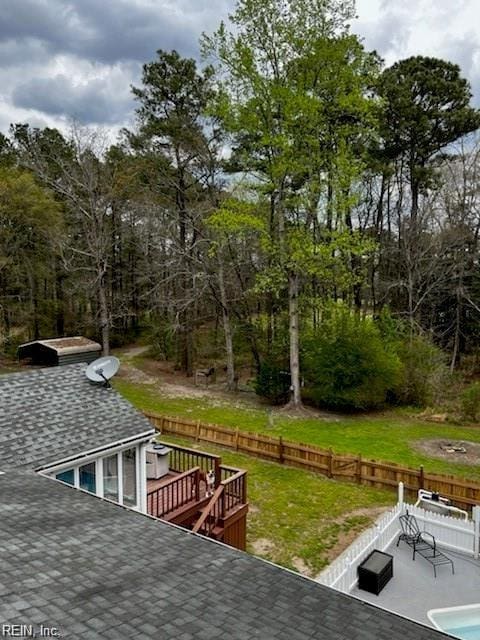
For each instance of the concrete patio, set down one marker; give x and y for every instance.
(414, 590)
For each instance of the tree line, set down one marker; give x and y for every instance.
(292, 204)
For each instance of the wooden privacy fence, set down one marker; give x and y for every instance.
(352, 468)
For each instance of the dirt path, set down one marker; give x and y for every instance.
(162, 375)
(132, 351)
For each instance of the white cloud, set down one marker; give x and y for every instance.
(77, 58)
(438, 28)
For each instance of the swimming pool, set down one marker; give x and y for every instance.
(461, 622)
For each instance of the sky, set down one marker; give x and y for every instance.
(64, 60)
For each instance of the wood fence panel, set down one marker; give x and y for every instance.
(357, 469)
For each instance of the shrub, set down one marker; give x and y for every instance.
(423, 372)
(470, 399)
(273, 383)
(346, 363)
(424, 379)
(160, 337)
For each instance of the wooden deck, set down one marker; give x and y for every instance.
(181, 496)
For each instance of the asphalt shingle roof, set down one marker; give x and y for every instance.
(47, 415)
(95, 570)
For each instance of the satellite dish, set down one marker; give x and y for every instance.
(102, 369)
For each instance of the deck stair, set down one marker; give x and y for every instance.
(181, 497)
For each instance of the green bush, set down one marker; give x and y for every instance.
(425, 379)
(347, 364)
(471, 402)
(423, 372)
(273, 383)
(160, 337)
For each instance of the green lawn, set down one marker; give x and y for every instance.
(387, 436)
(299, 519)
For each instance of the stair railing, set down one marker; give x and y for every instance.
(212, 513)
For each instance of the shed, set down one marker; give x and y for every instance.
(59, 351)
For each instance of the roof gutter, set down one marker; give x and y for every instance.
(138, 438)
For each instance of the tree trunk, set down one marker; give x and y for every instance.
(456, 340)
(104, 316)
(34, 303)
(293, 287)
(415, 191)
(59, 301)
(186, 337)
(227, 329)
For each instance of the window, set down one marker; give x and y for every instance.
(129, 477)
(67, 476)
(87, 477)
(110, 478)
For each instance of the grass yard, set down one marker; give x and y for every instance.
(385, 436)
(299, 519)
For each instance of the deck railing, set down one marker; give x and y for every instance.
(182, 459)
(231, 493)
(213, 513)
(175, 493)
(235, 487)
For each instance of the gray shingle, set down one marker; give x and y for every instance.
(100, 571)
(96, 570)
(47, 415)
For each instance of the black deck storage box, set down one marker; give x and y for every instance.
(375, 571)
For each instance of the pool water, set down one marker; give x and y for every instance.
(462, 622)
(465, 633)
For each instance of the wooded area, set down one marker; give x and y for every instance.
(294, 205)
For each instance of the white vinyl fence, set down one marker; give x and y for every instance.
(342, 573)
(449, 532)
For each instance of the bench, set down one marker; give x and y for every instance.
(207, 374)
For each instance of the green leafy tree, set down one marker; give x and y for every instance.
(172, 128)
(76, 171)
(294, 97)
(30, 230)
(427, 107)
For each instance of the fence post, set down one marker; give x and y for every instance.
(330, 463)
(359, 469)
(280, 449)
(421, 479)
(345, 586)
(476, 532)
(237, 432)
(197, 436)
(400, 495)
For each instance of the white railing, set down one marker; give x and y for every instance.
(342, 573)
(449, 532)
